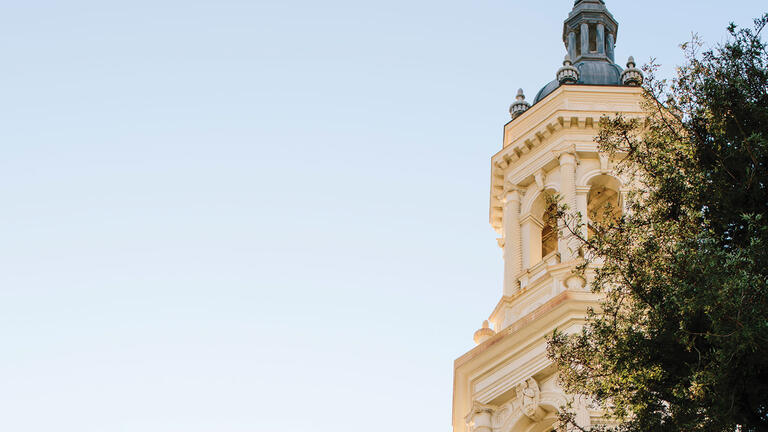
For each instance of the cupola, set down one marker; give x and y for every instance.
(590, 32)
(589, 35)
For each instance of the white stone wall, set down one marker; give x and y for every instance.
(506, 383)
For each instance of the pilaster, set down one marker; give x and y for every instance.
(584, 39)
(567, 161)
(582, 201)
(513, 255)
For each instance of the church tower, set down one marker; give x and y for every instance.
(506, 383)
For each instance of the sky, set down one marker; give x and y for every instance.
(257, 216)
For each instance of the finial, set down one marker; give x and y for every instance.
(632, 76)
(484, 333)
(519, 106)
(567, 74)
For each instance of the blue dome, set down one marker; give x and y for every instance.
(590, 73)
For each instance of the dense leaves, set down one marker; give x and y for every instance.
(681, 340)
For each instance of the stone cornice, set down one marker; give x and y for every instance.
(551, 269)
(514, 343)
(576, 302)
(575, 109)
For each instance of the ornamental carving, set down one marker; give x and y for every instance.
(479, 417)
(529, 397)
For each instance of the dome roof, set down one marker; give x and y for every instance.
(590, 73)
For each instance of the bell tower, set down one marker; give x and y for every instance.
(506, 383)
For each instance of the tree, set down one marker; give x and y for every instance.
(680, 341)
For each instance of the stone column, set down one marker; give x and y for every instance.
(601, 39)
(513, 256)
(624, 196)
(584, 39)
(568, 194)
(531, 239)
(611, 44)
(582, 195)
(572, 45)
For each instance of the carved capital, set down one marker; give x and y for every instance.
(567, 155)
(480, 417)
(511, 192)
(567, 158)
(510, 186)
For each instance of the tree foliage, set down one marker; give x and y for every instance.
(680, 342)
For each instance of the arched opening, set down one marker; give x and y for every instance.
(577, 44)
(603, 203)
(593, 38)
(540, 230)
(549, 230)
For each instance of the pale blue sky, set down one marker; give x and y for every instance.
(256, 216)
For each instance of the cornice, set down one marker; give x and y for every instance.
(551, 269)
(573, 302)
(562, 311)
(569, 109)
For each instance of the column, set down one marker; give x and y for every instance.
(610, 45)
(513, 256)
(568, 194)
(601, 39)
(572, 45)
(624, 196)
(584, 39)
(582, 195)
(531, 236)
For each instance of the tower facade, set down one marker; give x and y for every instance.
(506, 383)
